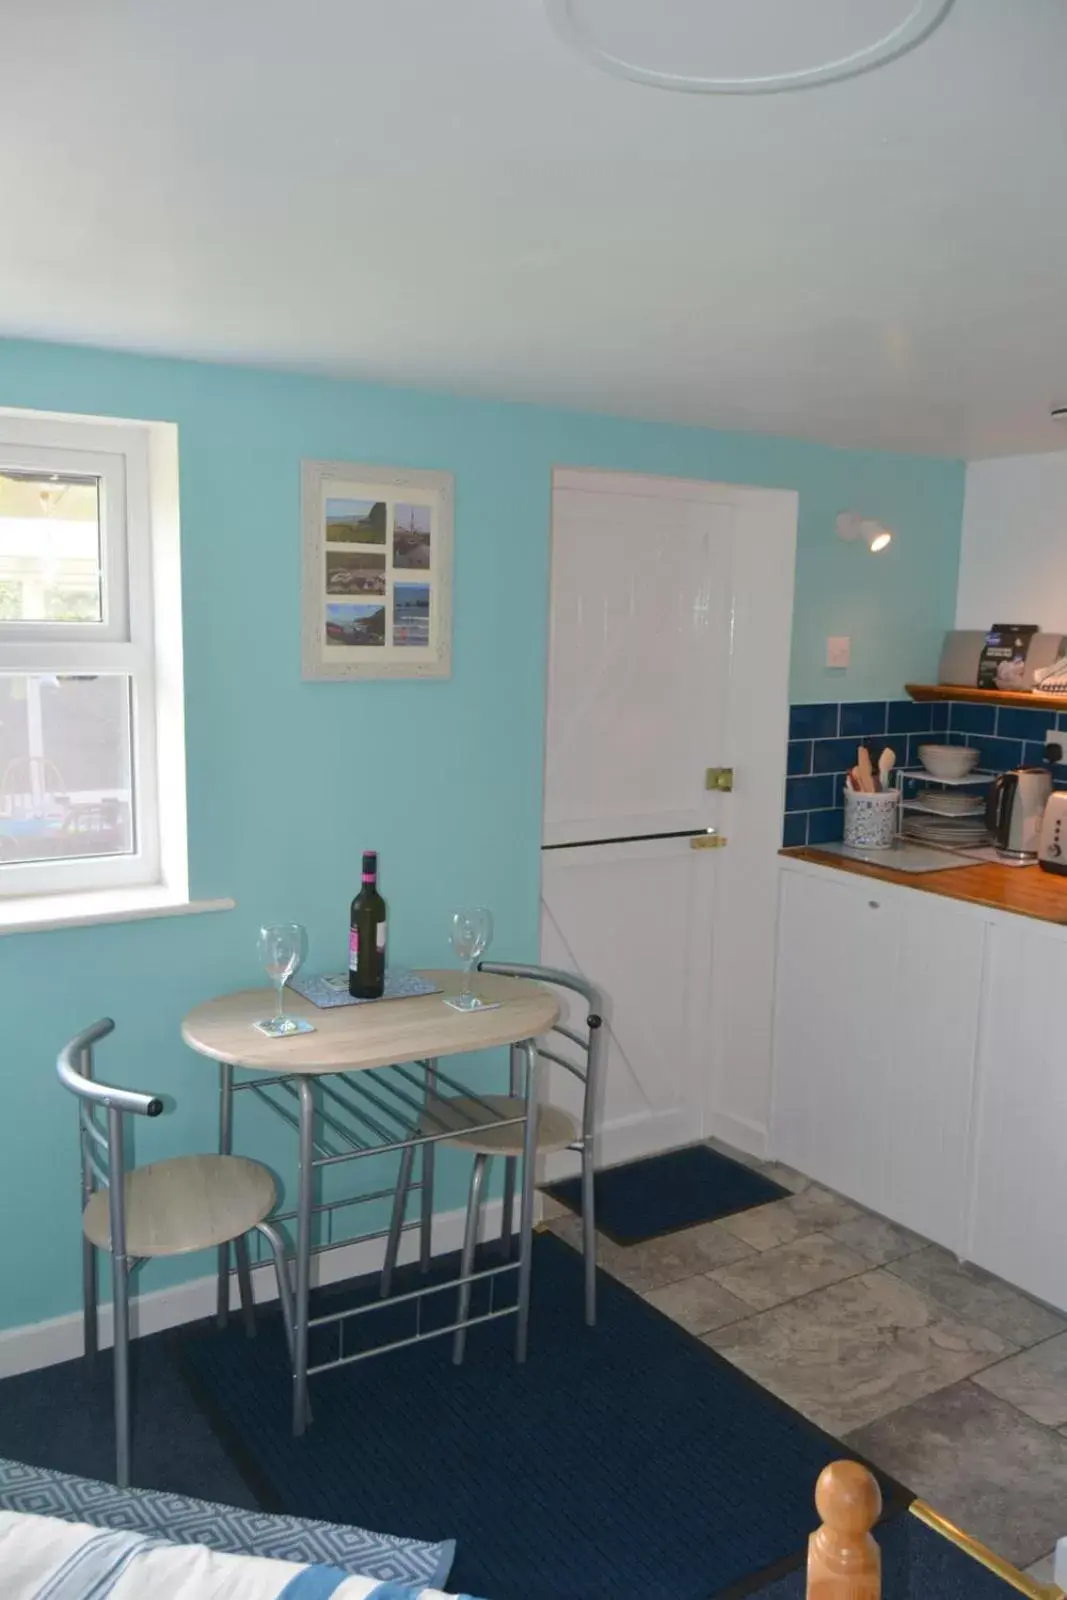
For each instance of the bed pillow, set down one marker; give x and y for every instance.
(384, 1556)
(45, 1558)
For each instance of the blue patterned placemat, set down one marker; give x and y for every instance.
(331, 988)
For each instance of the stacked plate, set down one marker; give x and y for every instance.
(951, 805)
(955, 820)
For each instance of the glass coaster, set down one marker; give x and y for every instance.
(470, 1002)
(283, 1027)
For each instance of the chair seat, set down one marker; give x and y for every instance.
(184, 1204)
(556, 1128)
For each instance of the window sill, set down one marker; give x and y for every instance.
(36, 912)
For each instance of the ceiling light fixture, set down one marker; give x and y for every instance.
(922, 17)
(851, 526)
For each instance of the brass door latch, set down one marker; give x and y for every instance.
(721, 778)
(707, 841)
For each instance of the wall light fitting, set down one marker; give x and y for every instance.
(851, 526)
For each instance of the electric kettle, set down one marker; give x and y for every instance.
(1014, 810)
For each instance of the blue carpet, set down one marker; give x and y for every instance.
(60, 1417)
(623, 1458)
(917, 1564)
(661, 1194)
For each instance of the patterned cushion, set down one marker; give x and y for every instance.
(252, 1533)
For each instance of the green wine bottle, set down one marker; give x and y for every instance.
(366, 936)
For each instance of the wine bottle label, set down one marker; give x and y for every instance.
(353, 945)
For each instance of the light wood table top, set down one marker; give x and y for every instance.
(348, 1038)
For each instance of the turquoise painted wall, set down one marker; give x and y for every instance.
(288, 780)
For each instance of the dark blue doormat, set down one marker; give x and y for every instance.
(621, 1459)
(662, 1194)
(917, 1564)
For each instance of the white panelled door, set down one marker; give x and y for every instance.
(668, 654)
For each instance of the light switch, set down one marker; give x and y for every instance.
(838, 651)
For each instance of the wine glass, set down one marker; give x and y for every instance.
(472, 930)
(282, 947)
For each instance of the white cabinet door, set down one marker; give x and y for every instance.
(836, 953)
(1019, 1203)
(875, 1035)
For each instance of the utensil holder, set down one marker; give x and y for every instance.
(871, 819)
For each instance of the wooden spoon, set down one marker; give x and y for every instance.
(886, 762)
(866, 771)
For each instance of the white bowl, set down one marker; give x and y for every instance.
(948, 760)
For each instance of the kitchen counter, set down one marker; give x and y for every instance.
(1026, 891)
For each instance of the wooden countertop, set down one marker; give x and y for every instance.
(1026, 891)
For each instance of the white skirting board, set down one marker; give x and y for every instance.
(43, 1344)
(751, 1137)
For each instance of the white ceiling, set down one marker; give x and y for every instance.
(435, 192)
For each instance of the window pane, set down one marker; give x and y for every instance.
(65, 770)
(49, 548)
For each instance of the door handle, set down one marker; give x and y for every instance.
(721, 778)
(707, 841)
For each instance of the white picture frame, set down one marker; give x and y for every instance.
(377, 571)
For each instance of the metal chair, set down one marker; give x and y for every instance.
(556, 1130)
(170, 1208)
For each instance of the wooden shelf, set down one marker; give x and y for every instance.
(992, 697)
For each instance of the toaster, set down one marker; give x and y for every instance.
(1052, 845)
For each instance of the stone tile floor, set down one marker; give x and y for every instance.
(947, 1377)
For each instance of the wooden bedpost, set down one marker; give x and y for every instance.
(844, 1562)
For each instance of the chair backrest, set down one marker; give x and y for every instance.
(586, 1070)
(102, 1148)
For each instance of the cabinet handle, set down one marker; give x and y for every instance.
(873, 904)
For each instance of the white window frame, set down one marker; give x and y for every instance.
(139, 637)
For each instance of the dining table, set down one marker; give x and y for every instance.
(367, 1081)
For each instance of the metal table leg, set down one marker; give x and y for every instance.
(529, 1158)
(222, 1301)
(507, 1219)
(304, 1202)
(426, 1194)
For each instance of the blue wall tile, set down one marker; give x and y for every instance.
(859, 717)
(999, 755)
(967, 718)
(833, 755)
(813, 722)
(909, 716)
(798, 757)
(1015, 723)
(795, 829)
(808, 794)
(826, 826)
(813, 792)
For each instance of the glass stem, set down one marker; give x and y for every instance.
(468, 982)
(280, 1012)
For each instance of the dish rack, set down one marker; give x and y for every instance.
(947, 819)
